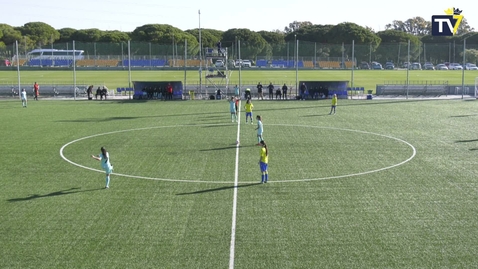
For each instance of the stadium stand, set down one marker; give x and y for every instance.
(309, 64)
(261, 63)
(21, 62)
(152, 62)
(329, 64)
(97, 63)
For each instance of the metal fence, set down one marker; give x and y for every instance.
(285, 55)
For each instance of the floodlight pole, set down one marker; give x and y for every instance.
(353, 64)
(464, 66)
(296, 66)
(200, 53)
(463, 70)
(408, 68)
(18, 69)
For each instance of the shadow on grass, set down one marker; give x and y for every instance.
(219, 189)
(318, 115)
(464, 116)
(52, 194)
(466, 141)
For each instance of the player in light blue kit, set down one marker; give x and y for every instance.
(104, 158)
(260, 130)
(24, 98)
(232, 109)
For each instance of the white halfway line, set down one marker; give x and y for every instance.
(236, 183)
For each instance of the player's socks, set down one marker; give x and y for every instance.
(107, 181)
(263, 178)
(266, 177)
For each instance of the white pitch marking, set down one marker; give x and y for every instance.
(228, 182)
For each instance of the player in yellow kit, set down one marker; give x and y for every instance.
(263, 162)
(248, 107)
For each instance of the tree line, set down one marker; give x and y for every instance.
(262, 43)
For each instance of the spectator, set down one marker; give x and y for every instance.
(218, 94)
(104, 92)
(89, 92)
(36, 91)
(303, 90)
(278, 94)
(169, 90)
(271, 91)
(284, 91)
(247, 94)
(259, 91)
(98, 92)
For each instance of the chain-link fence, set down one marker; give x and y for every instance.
(299, 54)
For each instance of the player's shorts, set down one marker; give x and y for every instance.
(249, 114)
(108, 170)
(263, 166)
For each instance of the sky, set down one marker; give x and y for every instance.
(268, 15)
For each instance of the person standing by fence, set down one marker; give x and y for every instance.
(36, 91)
(284, 91)
(271, 91)
(169, 90)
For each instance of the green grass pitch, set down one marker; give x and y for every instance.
(381, 184)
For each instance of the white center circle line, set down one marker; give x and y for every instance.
(414, 151)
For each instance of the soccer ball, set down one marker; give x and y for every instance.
(237, 142)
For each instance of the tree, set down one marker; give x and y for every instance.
(87, 35)
(471, 56)
(394, 46)
(40, 33)
(346, 33)
(209, 37)
(415, 26)
(114, 37)
(252, 43)
(464, 28)
(296, 25)
(165, 34)
(275, 42)
(66, 34)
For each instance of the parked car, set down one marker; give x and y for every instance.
(416, 66)
(470, 66)
(376, 66)
(441, 67)
(364, 65)
(389, 65)
(455, 66)
(219, 63)
(428, 66)
(246, 63)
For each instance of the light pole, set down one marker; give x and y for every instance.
(200, 53)
(464, 66)
(295, 47)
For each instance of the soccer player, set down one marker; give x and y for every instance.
(334, 104)
(260, 130)
(24, 98)
(104, 158)
(232, 109)
(263, 161)
(248, 107)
